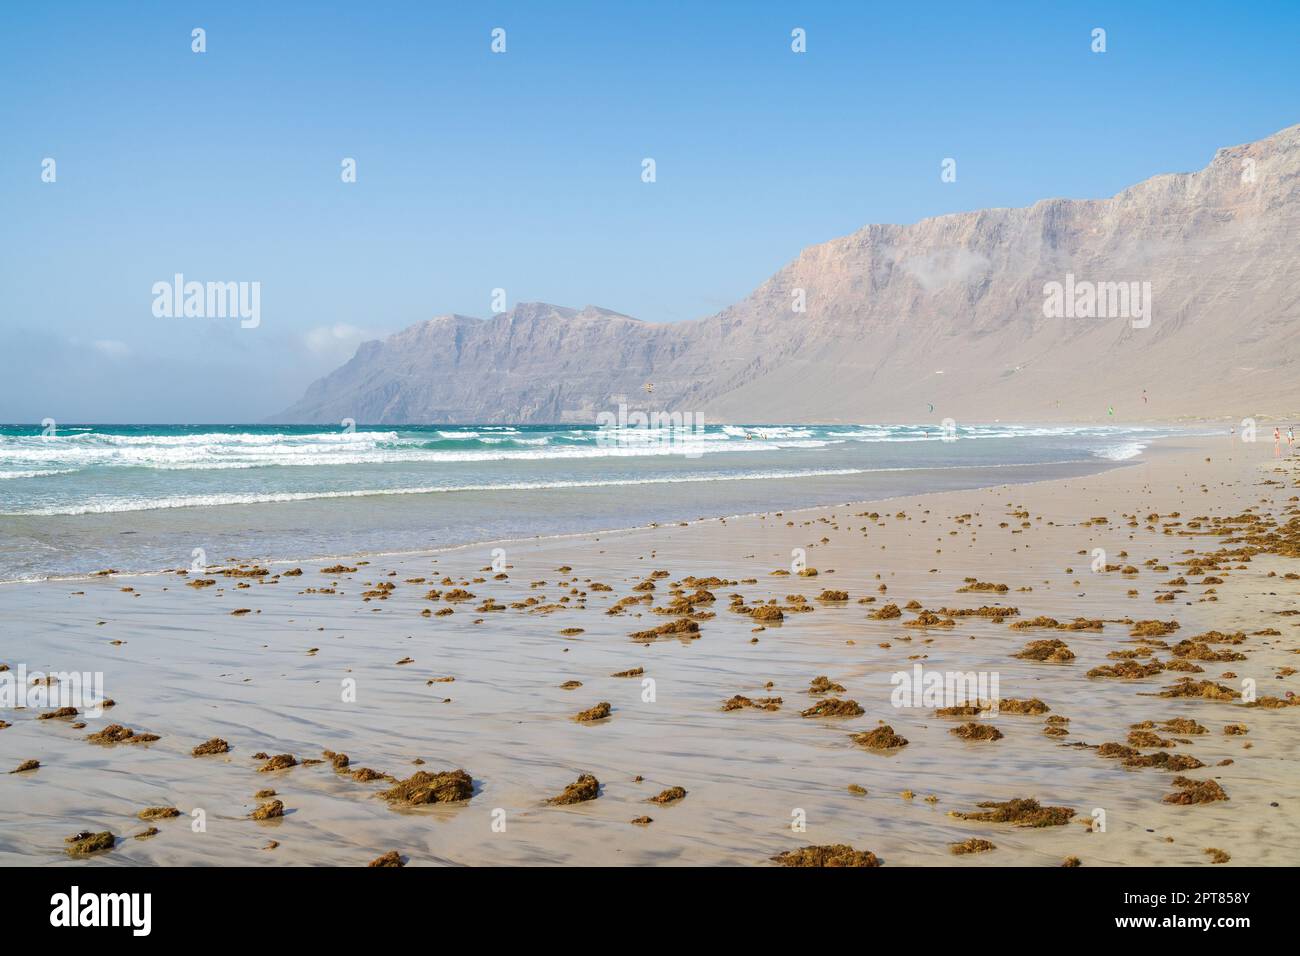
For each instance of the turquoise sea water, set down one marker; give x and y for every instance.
(143, 497)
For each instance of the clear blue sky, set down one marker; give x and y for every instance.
(522, 170)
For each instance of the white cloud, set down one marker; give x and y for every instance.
(111, 348)
(339, 337)
(940, 269)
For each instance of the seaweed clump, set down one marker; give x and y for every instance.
(882, 738)
(117, 734)
(86, 842)
(836, 854)
(1023, 812)
(671, 795)
(1051, 651)
(972, 845)
(424, 787)
(1195, 791)
(740, 702)
(834, 707)
(599, 712)
(585, 788)
(1205, 689)
(975, 731)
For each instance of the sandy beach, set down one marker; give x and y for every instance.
(270, 662)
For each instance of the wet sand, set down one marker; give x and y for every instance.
(271, 681)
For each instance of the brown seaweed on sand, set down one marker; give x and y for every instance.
(837, 854)
(1023, 812)
(834, 707)
(214, 746)
(972, 845)
(27, 765)
(585, 788)
(270, 810)
(1141, 737)
(1035, 622)
(158, 813)
(1164, 760)
(882, 738)
(740, 702)
(1205, 689)
(391, 858)
(599, 712)
(1127, 670)
(1052, 651)
(1032, 706)
(973, 731)
(1161, 759)
(930, 619)
(1195, 791)
(974, 585)
(824, 685)
(117, 734)
(278, 762)
(1198, 651)
(424, 787)
(671, 795)
(60, 713)
(1183, 725)
(767, 613)
(680, 626)
(86, 842)
(1153, 628)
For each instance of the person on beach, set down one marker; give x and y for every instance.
(1277, 442)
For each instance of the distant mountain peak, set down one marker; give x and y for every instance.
(890, 307)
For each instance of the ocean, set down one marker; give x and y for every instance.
(153, 497)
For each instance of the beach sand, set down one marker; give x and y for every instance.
(272, 681)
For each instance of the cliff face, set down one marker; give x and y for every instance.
(947, 312)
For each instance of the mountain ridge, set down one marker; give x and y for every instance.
(945, 312)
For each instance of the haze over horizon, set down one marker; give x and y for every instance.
(522, 170)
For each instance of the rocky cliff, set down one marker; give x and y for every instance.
(945, 313)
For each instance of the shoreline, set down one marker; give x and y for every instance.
(1095, 466)
(187, 669)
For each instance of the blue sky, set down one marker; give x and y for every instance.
(523, 170)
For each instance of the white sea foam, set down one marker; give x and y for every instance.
(116, 505)
(1121, 452)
